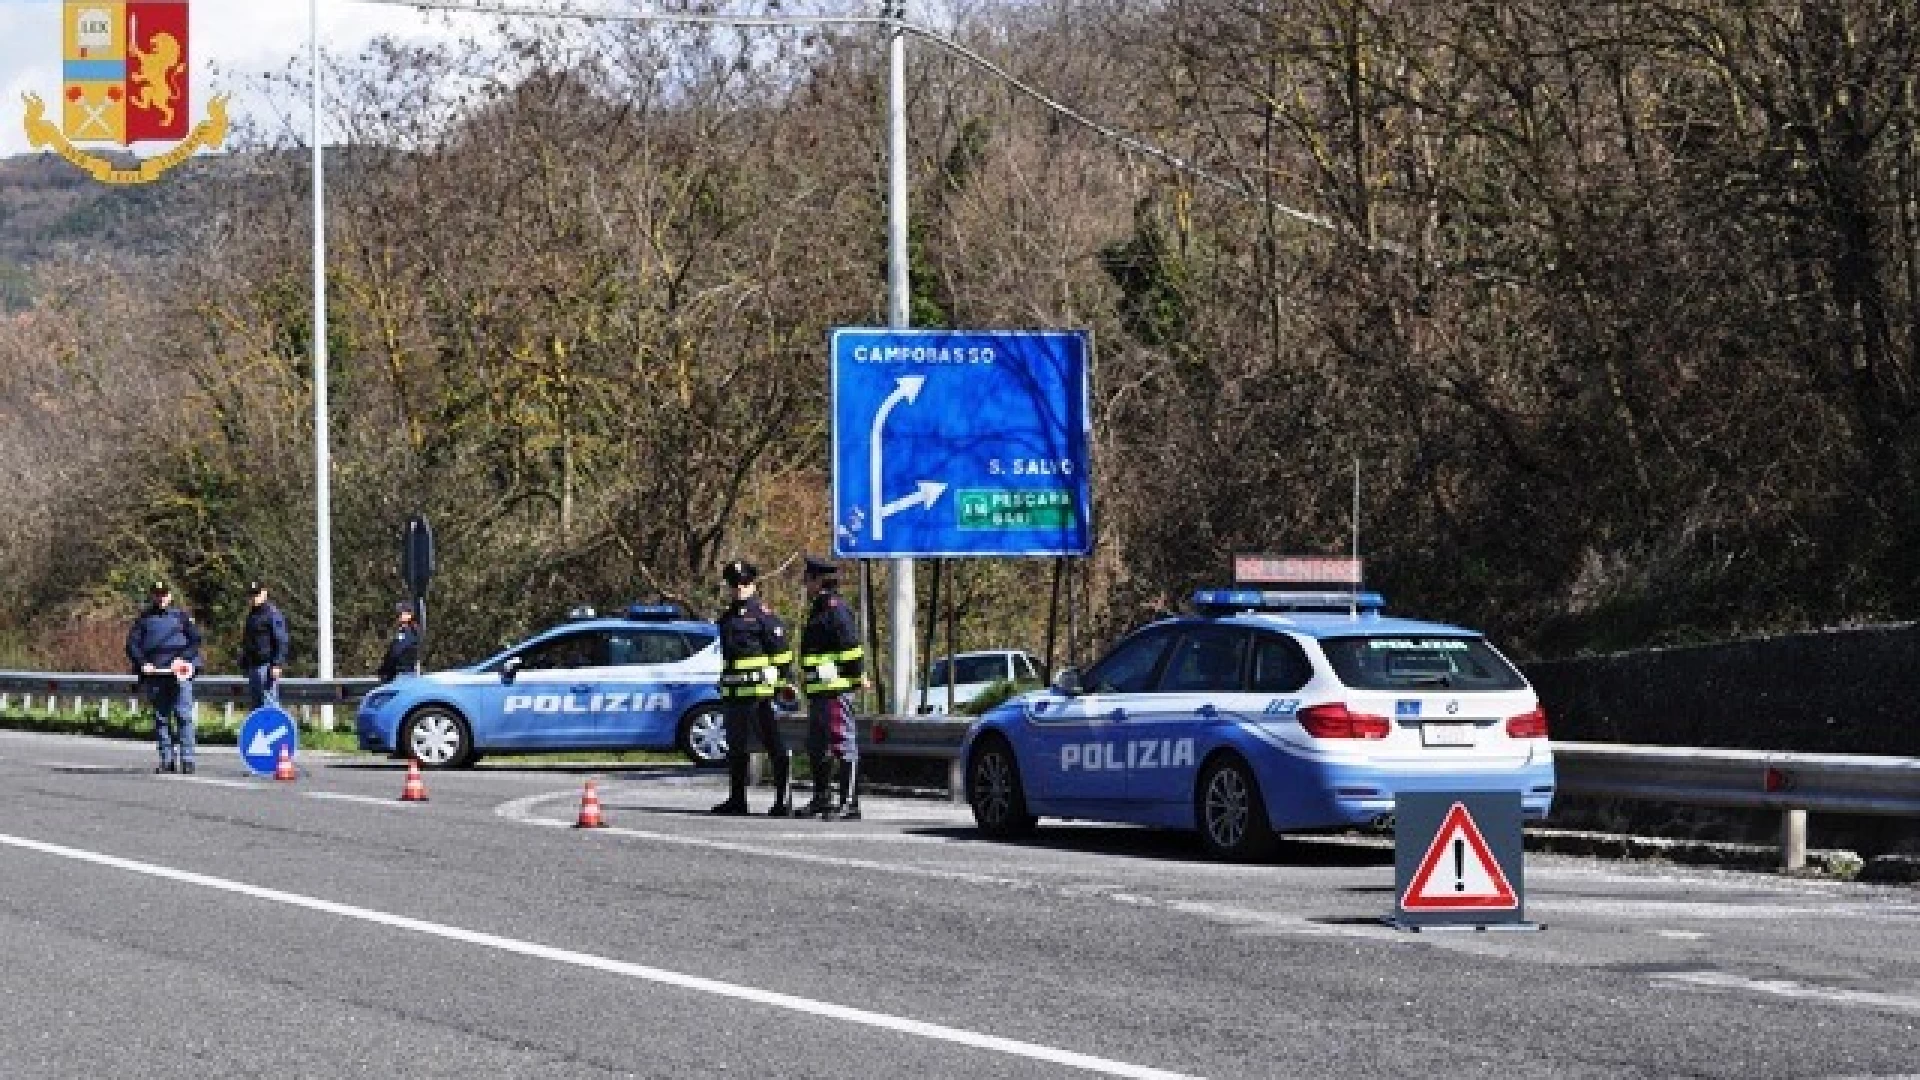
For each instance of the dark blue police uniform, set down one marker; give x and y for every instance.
(161, 635)
(832, 664)
(753, 650)
(403, 649)
(263, 650)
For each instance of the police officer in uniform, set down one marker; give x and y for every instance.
(832, 663)
(263, 648)
(163, 646)
(403, 649)
(753, 650)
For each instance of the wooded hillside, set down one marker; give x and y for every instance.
(1614, 303)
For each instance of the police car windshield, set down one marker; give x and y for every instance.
(1397, 662)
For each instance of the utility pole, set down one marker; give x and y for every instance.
(900, 581)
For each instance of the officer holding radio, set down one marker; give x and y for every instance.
(754, 650)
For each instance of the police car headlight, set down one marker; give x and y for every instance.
(376, 699)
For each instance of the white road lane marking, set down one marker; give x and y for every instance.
(523, 811)
(368, 800)
(793, 1003)
(214, 781)
(1788, 988)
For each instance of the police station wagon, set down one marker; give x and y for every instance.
(646, 680)
(1266, 712)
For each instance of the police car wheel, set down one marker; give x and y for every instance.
(994, 791)
(1231, 812)
(703, 736)
(439, 739)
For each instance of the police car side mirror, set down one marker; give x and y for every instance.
(1067, 683)
(510, 670)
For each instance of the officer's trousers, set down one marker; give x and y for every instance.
(172, 704)
(262, 687)
(751, 722)
(833, 745)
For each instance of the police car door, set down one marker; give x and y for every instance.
(642, 686)
(1079, 743)
(550, 701)
(1202, 685)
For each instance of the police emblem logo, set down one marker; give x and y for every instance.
(124, 80)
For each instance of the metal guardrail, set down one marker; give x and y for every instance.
(1793, 784)
(910, 737)
(76, 691)
(1747, 779)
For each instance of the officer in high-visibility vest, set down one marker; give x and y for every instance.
(754, 651)
(832, 664)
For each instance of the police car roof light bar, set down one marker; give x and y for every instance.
(1230, 601)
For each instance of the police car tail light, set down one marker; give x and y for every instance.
(1528, 725)
(1335, 721)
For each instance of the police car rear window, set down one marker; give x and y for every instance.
(1419, 662)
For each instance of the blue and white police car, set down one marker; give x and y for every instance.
(1265, 712)
(645, 680)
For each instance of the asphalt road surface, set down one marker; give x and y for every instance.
(227, 926)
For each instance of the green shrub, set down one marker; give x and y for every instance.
(995, 694)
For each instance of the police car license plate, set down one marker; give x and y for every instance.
(1446, 734)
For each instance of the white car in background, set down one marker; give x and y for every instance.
(970, 673)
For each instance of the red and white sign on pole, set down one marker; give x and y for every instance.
(1287, 570)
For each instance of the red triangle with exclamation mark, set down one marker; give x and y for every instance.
(1458, 871)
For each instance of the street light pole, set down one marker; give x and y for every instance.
(322, 468)
(901, 592)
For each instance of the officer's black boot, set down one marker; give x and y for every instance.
(821, 765)
(736, 786)
(782, 775)
(849, 809)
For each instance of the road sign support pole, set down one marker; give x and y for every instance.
(900, 581)
(952, 574)
(870, 638)
(933, 624)
(1053, 617)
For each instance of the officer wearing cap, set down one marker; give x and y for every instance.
(263, 648)
(753, 650)
(163, 645)
(832, 663)
(403, 648)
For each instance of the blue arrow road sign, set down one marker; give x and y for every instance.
(960, 443)
(262, 734)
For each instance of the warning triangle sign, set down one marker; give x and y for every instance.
(1458, 871)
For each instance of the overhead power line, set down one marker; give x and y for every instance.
(1174, 161)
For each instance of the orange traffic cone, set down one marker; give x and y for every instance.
(590, 809)
(283, 769)
(416, 789)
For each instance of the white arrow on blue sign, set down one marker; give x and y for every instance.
(956, 443)
(262, 734)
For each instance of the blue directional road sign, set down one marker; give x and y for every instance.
(262, 734)
(954, 443)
